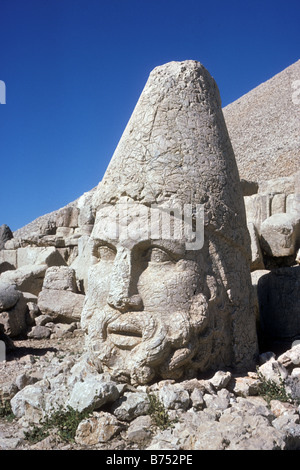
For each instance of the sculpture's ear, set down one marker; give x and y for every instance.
(2, 92)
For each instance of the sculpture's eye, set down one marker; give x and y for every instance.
(157, 255)
(106, 253)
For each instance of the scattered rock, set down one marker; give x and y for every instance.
(220, 379)
(39, 332)
(100, 427)
(93, 393)
(174, 397)
(139, 430)
(131, 405)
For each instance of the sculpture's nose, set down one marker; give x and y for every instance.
(123, 294)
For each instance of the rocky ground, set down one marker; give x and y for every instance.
(259, 411)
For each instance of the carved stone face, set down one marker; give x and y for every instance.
(154, 307)
(145, 307)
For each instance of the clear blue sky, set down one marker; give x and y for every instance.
(74, 70)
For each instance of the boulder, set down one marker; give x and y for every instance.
(62, 306)
(29, 401)
(59, 297)
(60, 278)
(9, 296)
(93, 393)
(39, 332)
(131, 405)
(14, 319)
(220, 379)
(280, 234)
(26, 278)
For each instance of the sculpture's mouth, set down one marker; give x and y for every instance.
(125, 333)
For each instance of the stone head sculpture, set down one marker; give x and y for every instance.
(170, 295)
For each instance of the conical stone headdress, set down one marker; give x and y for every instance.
(176, 147)
(174, 151)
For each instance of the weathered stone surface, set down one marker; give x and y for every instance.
(24, 379)
(197, 399)
(100, 427)
(8, 260)
(257, 261)
(39, 332)
(31, 255)
(93, 393)
(278, 204)
(85, 259)
(139, 430)
(61, 330)
(174, 397)
(290, 358)
(280, 235)
(282, 185)
(60, 278)
(27, 278)
(61, 305)
(67, 217)
(14, 319)
(131, 405)
(152, 309)
(245, 386)
(30, 400)
(258, 208)
(293, 203)
(274, 371)
(9, 296)
(263, 126)
(218, 402)
(33, 312)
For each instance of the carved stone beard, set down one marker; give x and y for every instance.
(138, 348)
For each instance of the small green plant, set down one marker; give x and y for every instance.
(158, 413)
(271, 390)
(6, 411)
(63, 421)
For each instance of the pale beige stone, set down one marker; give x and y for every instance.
(264, 128)
(157, 306)
(100, 427)
(279, 235)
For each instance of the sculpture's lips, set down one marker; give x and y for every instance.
(125, 332)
